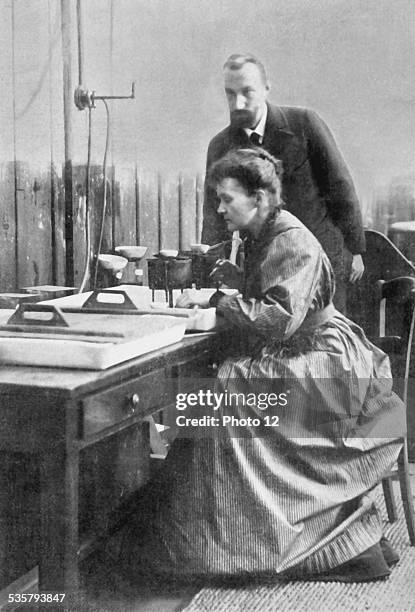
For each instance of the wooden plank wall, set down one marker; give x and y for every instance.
(148, 210)
(143, 207)
(31, 150)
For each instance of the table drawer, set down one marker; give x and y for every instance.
(138, 397)
(198, 374)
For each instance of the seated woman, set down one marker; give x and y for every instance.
(290, 497)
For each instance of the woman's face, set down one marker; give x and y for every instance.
(237, 207)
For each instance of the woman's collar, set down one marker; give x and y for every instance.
(267, 226)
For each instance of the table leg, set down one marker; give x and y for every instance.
(58, 562)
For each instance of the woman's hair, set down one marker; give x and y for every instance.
(253, 168)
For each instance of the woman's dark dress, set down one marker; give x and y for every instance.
(296, 497)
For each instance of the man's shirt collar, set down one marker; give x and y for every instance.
(260, 128)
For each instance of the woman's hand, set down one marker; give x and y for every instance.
(227, 273)
(192, 297)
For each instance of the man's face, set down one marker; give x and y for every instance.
(246, 93)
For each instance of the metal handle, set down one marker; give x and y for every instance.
(56, 320)
(94, 303)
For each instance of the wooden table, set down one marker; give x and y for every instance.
(54, 413)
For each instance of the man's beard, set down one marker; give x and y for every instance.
(243, 118)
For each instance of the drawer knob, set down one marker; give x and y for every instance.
(134, 401)
(213, 369)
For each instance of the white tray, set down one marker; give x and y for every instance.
(151, 333)
(203, 320)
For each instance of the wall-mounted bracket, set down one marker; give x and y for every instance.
(85, 98)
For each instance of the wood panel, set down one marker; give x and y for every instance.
(32, 49)
(188, 202)
(148, 212)
(98, 206)
(7, 227)
(95, 206)
(7, 204)
(141, 209)
(57, 156)
(124, 220)
(79, 217)
(124, 206)
(169, 212)
(58, 245)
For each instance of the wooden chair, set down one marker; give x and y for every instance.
(383, 261)
(368, 306)
(396, 299)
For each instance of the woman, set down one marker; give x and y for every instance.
(288, 496)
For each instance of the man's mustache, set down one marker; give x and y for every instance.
(242, 117)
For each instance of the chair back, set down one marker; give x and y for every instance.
(396, 321)
(397, 314)
(383, 261)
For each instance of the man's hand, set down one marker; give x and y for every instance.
(357, 268)
(227, 274)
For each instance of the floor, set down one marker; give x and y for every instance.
(108, 589)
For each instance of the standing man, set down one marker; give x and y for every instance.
(316, 183)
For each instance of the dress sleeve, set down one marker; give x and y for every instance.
(290, 278)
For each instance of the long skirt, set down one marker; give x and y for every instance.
(287, 494)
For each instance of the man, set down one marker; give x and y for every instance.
(317, 186)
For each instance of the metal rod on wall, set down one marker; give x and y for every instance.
(16, 208)
(159, 211)
(80, 42)
(180, 211)
(66, 28)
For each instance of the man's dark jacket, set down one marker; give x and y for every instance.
(316, 184)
